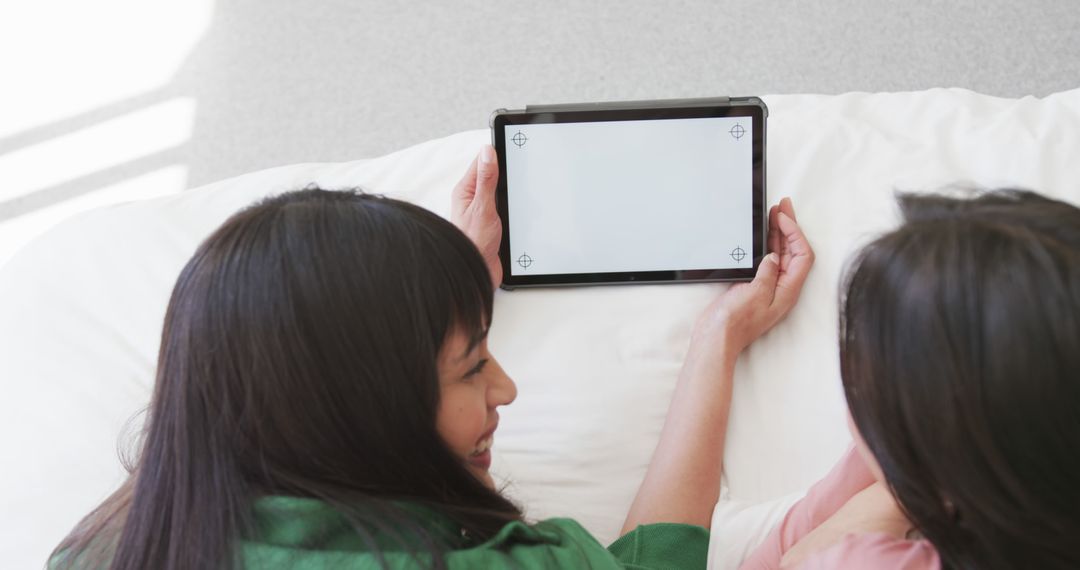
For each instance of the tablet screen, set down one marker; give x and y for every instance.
(630, 196)
(655, 191)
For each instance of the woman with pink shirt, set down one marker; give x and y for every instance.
(960, 359)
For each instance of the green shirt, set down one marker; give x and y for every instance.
(307, 534)
(287, 524)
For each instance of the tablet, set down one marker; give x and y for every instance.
(631, 192)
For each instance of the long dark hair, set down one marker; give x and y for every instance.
(960, 357)
(298, 357)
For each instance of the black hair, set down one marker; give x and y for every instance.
(960, 358)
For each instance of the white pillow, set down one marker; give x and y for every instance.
(81, 311)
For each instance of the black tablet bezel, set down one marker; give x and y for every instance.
(751, 108)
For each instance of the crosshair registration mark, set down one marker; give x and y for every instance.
(737, 131)
(519, 139)
(738, 254)
(524, 260)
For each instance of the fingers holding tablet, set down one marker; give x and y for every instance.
(473, 211)
(476, 188)
(774, 230)
(796, 255)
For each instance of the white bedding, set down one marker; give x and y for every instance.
(81, 311)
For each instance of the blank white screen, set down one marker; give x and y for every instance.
(630, 196)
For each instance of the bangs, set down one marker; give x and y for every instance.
(469, 297)
(456, 286)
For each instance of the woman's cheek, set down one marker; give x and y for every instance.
(461, 419)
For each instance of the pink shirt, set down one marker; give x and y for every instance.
(856, 550)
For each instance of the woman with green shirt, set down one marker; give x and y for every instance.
(325, 398)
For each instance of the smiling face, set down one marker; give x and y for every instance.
(472, 385)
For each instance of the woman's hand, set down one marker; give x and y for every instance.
(682, 483)
(472, 209)
(747, 310)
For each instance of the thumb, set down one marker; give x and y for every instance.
(767, 275)
(487, 177)
(462, 195)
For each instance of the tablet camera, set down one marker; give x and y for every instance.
(524, 261)
(519, 139)
(738, 254)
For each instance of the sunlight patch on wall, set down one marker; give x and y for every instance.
(108, 144)
(65, 57)
(87, 118)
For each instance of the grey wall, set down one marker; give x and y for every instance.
(344, 79)
(280, 81)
